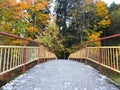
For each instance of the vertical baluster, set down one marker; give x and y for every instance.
(27, 54)
(4, 60)
(36, 52)
(94, 51)
(103, 61)
(32, 53)
(106, 50)
(80, 53)
(39, 53)
(1, 57)
(18, 56)
(44, 53)
(15, 51)
(96, 58)
(110, 57)
(114, 58)
(11, 56)
(22, 56)
(15, 61)
(117, 58)
(104, 53)
(8, 60)
(48, 54)
(86, 60)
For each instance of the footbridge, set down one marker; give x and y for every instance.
(58, 74)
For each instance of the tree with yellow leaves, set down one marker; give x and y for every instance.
(102, 13)
(25, 18)
(99, 20)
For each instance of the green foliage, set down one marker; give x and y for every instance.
(113, 7)
(115, 20)
(114, 28)
(51, 37)
(21, 27)
(1, 1)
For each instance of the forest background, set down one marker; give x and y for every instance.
(73, 22)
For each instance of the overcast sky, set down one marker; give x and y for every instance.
(111, 1)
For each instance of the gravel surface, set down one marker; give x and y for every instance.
(61, 75)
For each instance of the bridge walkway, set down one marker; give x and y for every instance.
(61, 75)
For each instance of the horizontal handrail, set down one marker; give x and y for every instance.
(15, 36)
(25, 39)
(12, 57)
(104, 38)
(106, 56)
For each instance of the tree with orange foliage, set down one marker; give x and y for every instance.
(99, 20)
(103, 14)
(23, 18)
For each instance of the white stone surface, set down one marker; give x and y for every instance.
(60, 75)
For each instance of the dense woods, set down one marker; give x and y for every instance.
(74, 22)
(83, 20)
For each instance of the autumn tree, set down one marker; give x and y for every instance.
(24, 18)
(114, 10)
(99, 21)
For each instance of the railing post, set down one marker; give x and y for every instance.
(79, 55)
(100, 56)
(44, 53)
(48, 54)
(24, 56)
(86, 61)
(1, 55)
(38, 53)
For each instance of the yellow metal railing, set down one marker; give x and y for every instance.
(12, 57)
(106, 56)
